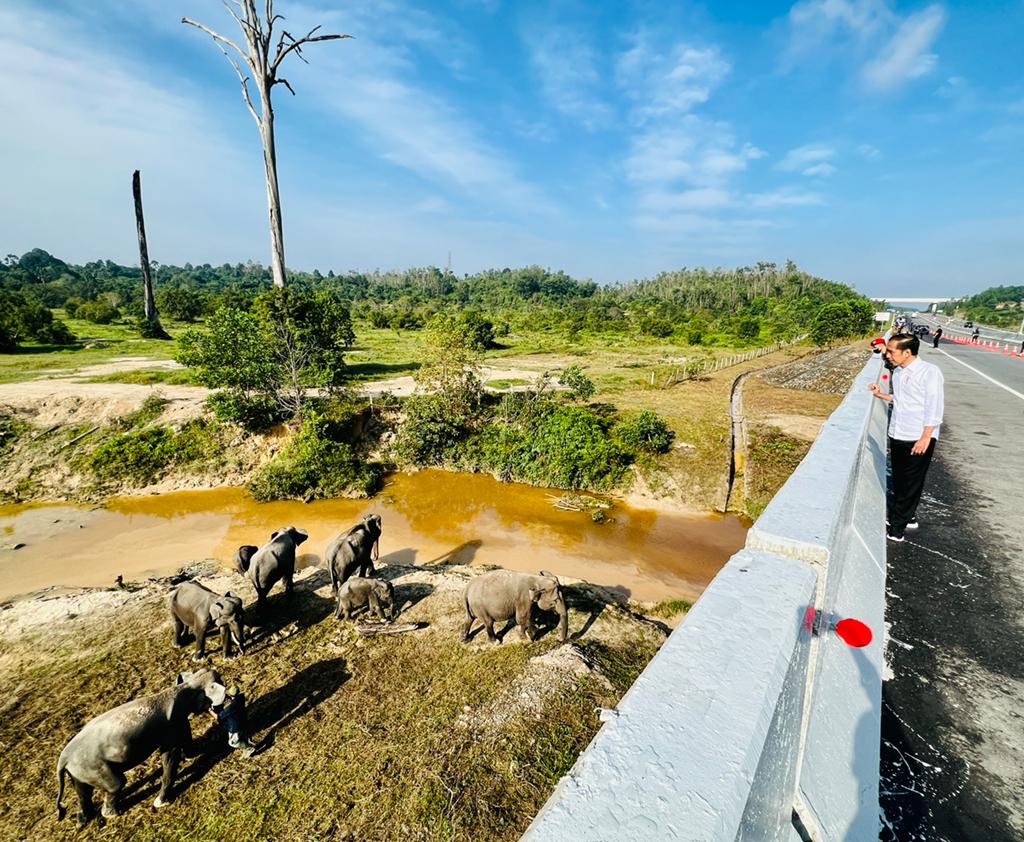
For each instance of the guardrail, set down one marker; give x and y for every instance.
(755, 721)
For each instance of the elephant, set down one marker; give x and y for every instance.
(195, 607)
(503, 594)
(378, 594)
(353, 550)
(122, 738)
(243, 555)
(273, 562)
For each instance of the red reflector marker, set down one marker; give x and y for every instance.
(853, 632)
(885, 376)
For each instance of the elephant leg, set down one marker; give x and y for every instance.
(178, 636)
(524, 619)
(111, 782)
(467, 626)
(225, 636)
(289, 583)
(170, 761)
(200, 644)
(374, 606)
(489, 625)
(340, 611)
(85, 805)
(366, 568)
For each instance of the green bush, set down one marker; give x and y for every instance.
(98, 311)
(315, 464)
(580, 386)
(151, 409)
(430, 432)
(644, 433)
(143, 456)
(562, 446)
(255, 413)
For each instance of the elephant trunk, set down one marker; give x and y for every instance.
(238, 633)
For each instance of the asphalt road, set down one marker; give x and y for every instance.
(954, 327)
(953, 707)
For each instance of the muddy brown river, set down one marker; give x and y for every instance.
(428, 517)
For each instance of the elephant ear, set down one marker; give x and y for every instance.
(216, 693)
(217, 610)
(551, 576)
(298, 535)
(274, 534)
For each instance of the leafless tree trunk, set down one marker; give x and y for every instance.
(262, 61)
(148, 304)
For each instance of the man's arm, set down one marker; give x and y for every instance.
(878, 393)
(933, 408)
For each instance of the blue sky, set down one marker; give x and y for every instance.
(875, 143)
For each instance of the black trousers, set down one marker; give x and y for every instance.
(908, 473)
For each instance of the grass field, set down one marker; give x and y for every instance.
(413, 736)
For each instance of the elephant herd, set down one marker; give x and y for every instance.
(122, 738)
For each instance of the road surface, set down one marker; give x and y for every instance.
(953, 708)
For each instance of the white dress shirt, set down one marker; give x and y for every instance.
(916, 401)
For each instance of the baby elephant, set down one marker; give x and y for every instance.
(502, 594)
(197, 608)
(377, 593)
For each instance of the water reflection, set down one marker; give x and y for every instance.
(431, 517)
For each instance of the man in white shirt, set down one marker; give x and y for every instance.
(917, 403)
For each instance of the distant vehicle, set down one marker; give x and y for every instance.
(914, 314)
(921, 330)
(968, 324)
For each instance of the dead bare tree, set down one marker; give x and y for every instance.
(263, 62)
(152, 328)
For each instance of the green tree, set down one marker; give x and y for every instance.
(580, 386)
(233, 352)
(182, 303)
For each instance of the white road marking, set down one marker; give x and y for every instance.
(1013, 392)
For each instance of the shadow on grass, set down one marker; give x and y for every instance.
(269, 714)
(304, 608)
(371, 371)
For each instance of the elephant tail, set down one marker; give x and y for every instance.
(61, 772)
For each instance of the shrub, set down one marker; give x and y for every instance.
(644, 433)
(182, 303)
(315, 464)
(563, 446)
(580, 386)
(143, 456)
(430, 431)
(98, 311)
(255, 413)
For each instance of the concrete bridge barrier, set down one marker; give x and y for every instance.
(755, 721)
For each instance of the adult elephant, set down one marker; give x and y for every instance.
(195, 607)
(503, 594)
(353, 550)
(273, 562)
(115, 741)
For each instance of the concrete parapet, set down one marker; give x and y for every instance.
(745, 718)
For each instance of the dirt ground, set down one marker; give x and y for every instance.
(413, 736)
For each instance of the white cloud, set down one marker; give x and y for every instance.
(668, 83)
(888, 48)
(786, 197)
(869, 152)
(819, 171)
(410, 125)
(907, 54)
(567, 69)
(85, 120)
(803, 157)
